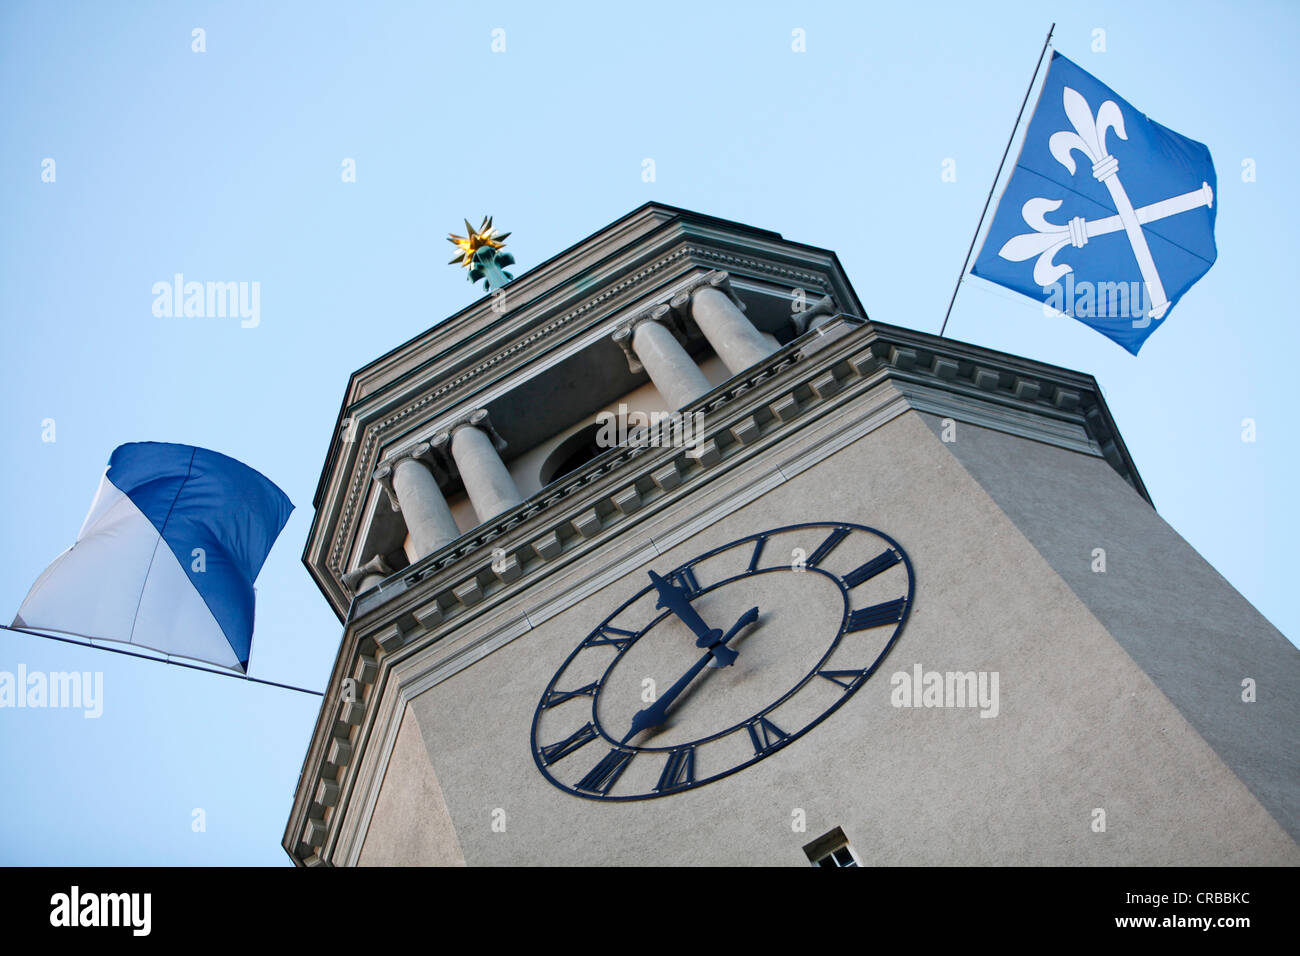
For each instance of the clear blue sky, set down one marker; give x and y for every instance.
(225, 166)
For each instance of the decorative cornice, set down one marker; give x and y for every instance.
(801, 278)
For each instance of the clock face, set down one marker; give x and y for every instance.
(722, 661)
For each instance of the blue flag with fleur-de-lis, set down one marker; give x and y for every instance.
(1108, 216)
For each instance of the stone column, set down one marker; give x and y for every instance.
(738, 343)
(476, 449)
(650, 344)
(817, 314)
(413, 490)
(368, 575)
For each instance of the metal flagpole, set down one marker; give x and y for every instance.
(162, 660)
(996, 176)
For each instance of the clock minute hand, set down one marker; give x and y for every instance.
(673, 598)
(719, 655)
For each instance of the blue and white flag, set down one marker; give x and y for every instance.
(1129, 231)
(167, 556)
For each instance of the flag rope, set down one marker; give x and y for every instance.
(89, 642)
(996, 176)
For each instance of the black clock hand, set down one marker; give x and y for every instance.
(673, 598)
(724, 656)
(719, 655)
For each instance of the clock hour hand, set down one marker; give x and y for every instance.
(721, 659)
(673, 597)
(719, 655)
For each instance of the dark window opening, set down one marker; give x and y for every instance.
(571, 454)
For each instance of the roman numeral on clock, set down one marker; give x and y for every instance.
(876, 615)
(605, 774)
(765, 736)
(583, 735)
(826, 547)
(560, 696)
(844, 679)
(880, 562)
(609, 636)
(679, 771)
(685, 579)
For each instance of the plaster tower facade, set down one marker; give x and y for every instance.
(665, 553)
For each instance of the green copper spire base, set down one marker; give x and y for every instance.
(487, 266)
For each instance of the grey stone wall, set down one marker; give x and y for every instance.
(411, 826)
(1188, 629)
(1080, 726)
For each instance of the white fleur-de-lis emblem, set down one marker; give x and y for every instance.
(1089, 138)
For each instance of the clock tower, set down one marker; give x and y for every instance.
(663, 552)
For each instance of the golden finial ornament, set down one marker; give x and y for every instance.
(478, 253)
